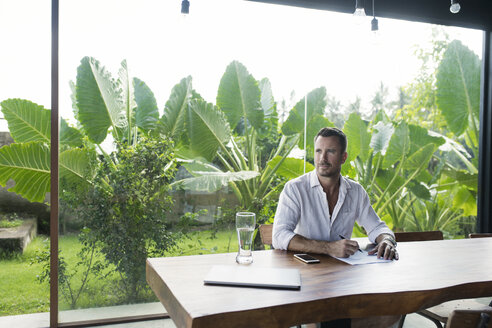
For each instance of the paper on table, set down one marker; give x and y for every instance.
(362, 258)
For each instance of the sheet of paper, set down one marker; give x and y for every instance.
(362, 258)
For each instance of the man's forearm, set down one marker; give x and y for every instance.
(340, 248)
(299, 243)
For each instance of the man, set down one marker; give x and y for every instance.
(317, 211)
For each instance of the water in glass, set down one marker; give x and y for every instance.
(245, 226)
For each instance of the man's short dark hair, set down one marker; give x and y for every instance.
(333, 132)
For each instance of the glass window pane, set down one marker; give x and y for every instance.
(24, 212)
(143, 87)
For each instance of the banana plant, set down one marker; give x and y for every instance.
(123, 107)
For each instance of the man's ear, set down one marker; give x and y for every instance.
(344, 157)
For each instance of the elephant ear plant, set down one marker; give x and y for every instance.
(126, 109)
(236, 142)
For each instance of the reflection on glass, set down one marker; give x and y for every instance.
(157, 154)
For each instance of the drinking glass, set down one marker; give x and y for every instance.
(245, 226)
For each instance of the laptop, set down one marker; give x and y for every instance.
(248, 276)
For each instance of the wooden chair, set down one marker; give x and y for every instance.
(266, 234)
(418, 236)
(474, 318)
(480, 235)
(440, 313)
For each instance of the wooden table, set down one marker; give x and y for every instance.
(428, 273)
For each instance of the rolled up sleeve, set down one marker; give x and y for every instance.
(371, 222)
(286, 218)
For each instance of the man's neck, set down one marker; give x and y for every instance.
(330, 184)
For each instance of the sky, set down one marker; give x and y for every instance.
(297, 49)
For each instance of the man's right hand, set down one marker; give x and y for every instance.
(342, 248)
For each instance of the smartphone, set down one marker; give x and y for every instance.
(306, 258)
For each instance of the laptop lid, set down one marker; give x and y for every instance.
(248, 276)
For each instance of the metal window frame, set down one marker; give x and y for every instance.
(484, 217)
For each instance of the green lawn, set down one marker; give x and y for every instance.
(21, 293)
(19, 290)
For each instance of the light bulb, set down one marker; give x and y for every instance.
(374, 24)
(455, 7)
(360, 12)
(359, 9)
(185, 7)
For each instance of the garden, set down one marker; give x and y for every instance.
(416, 157)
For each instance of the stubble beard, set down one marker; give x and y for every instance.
(327, 171)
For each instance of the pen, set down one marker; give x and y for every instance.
(346, 238)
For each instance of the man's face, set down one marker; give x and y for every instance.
(328, 156)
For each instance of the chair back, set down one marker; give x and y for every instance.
(418, 236)
(479, 235)
(472, 318)
(266, 234)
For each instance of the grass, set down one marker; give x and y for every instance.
(21, 293)
(10, 223)
(10, 220)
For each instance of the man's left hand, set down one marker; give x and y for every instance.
(385, 249)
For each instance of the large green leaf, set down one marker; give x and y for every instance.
(420, 158)
(316, 103)
(27, 121)
(399, 145)
(419, 189)
(208, 129)
(212, 181)
(381, 137)
(358, 138)
(147, 112)
(69, 135)
(315, 124)
(193, 166)
(458, 88)
(176, 107)
(291, 167)
(464, 178)
(127, 97)
(239, 96)
(28, 164)
(419, 137)
(269, 108)
(76, 165)
(267, 101)
(466, 201)
(384, 178)
(98, 100)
